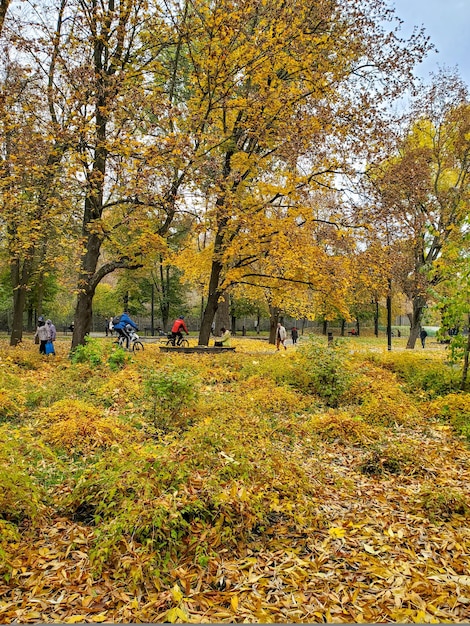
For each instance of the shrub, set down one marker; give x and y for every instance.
(74, 425)
(169, 392)
(20, 496)
(455, 407)
(121, 388)
(9, 537)
(10, 405)
(420, 372)
(340, 426)
(392, 458)
(323, 370)
(91, 352)
(118, 359)
(441, 503)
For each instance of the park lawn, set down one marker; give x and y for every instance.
(308, 485)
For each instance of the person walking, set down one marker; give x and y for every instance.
(294, 333)
(422, 335)
(178, 326)
(42, 333)
(281, 336)
(52, 336)
(120, 326)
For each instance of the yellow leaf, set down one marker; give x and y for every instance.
(74, 619)
(370, 549)
(234, 603)
(336, 533)
(171, 616)
(177, 593)
(99, 618)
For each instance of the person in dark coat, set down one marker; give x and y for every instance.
(422, 335)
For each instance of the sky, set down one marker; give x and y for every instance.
(447, 22)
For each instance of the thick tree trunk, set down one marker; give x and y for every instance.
(19, 302)
(419, 303)
(87, 285)
(223, 314)
(20, 277)
(212, 304)
(274, 313)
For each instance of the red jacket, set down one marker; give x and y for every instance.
(178, 325)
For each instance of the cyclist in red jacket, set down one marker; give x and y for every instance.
(178, 326)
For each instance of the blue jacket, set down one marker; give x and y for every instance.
(125, 319)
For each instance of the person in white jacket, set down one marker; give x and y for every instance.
(43, 334)
(281, 336)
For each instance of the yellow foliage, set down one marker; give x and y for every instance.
(121, 388)
(75, 425)
(380, 399)
(342, 427)
(11, 404)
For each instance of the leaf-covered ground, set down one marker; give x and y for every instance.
(303, 486)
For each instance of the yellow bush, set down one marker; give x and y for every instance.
(269, 396)
(74, 425)
(121, 388)
(341, 426)
(456, 408)
(11, 405)
(380, 399)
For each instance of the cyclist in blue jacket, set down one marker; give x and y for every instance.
(121, 329)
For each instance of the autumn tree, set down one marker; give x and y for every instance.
(4, 4)
(423, 188)
(277, 95)
(32, 203)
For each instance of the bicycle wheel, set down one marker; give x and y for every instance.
(184, 343)
(137, 345)
(169, 342)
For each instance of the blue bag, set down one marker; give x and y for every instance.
(50, 347)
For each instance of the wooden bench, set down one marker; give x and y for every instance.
(197, 349)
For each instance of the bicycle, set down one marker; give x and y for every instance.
(178, 343)
(134, 341)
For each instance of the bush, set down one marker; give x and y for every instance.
(455, 407)
(9, 537)
(341, 427)
(118, 359)
(392, 458)
(420, 373)
(442, 503)
(91, 353)
(20, 496)
(11, 405)
(74, 425)
(323, 370)
(380, 398)
(169, 392)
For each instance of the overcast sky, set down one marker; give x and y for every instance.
(447, 22)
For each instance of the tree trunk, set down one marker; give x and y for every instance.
(325, 327)
(274, 313)
(376, 318)
(463, 381)
(419, 303)
(19, 302)
(211, 305)
(223, 314)
(20, 277)
(83, 310)
(343, 324)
